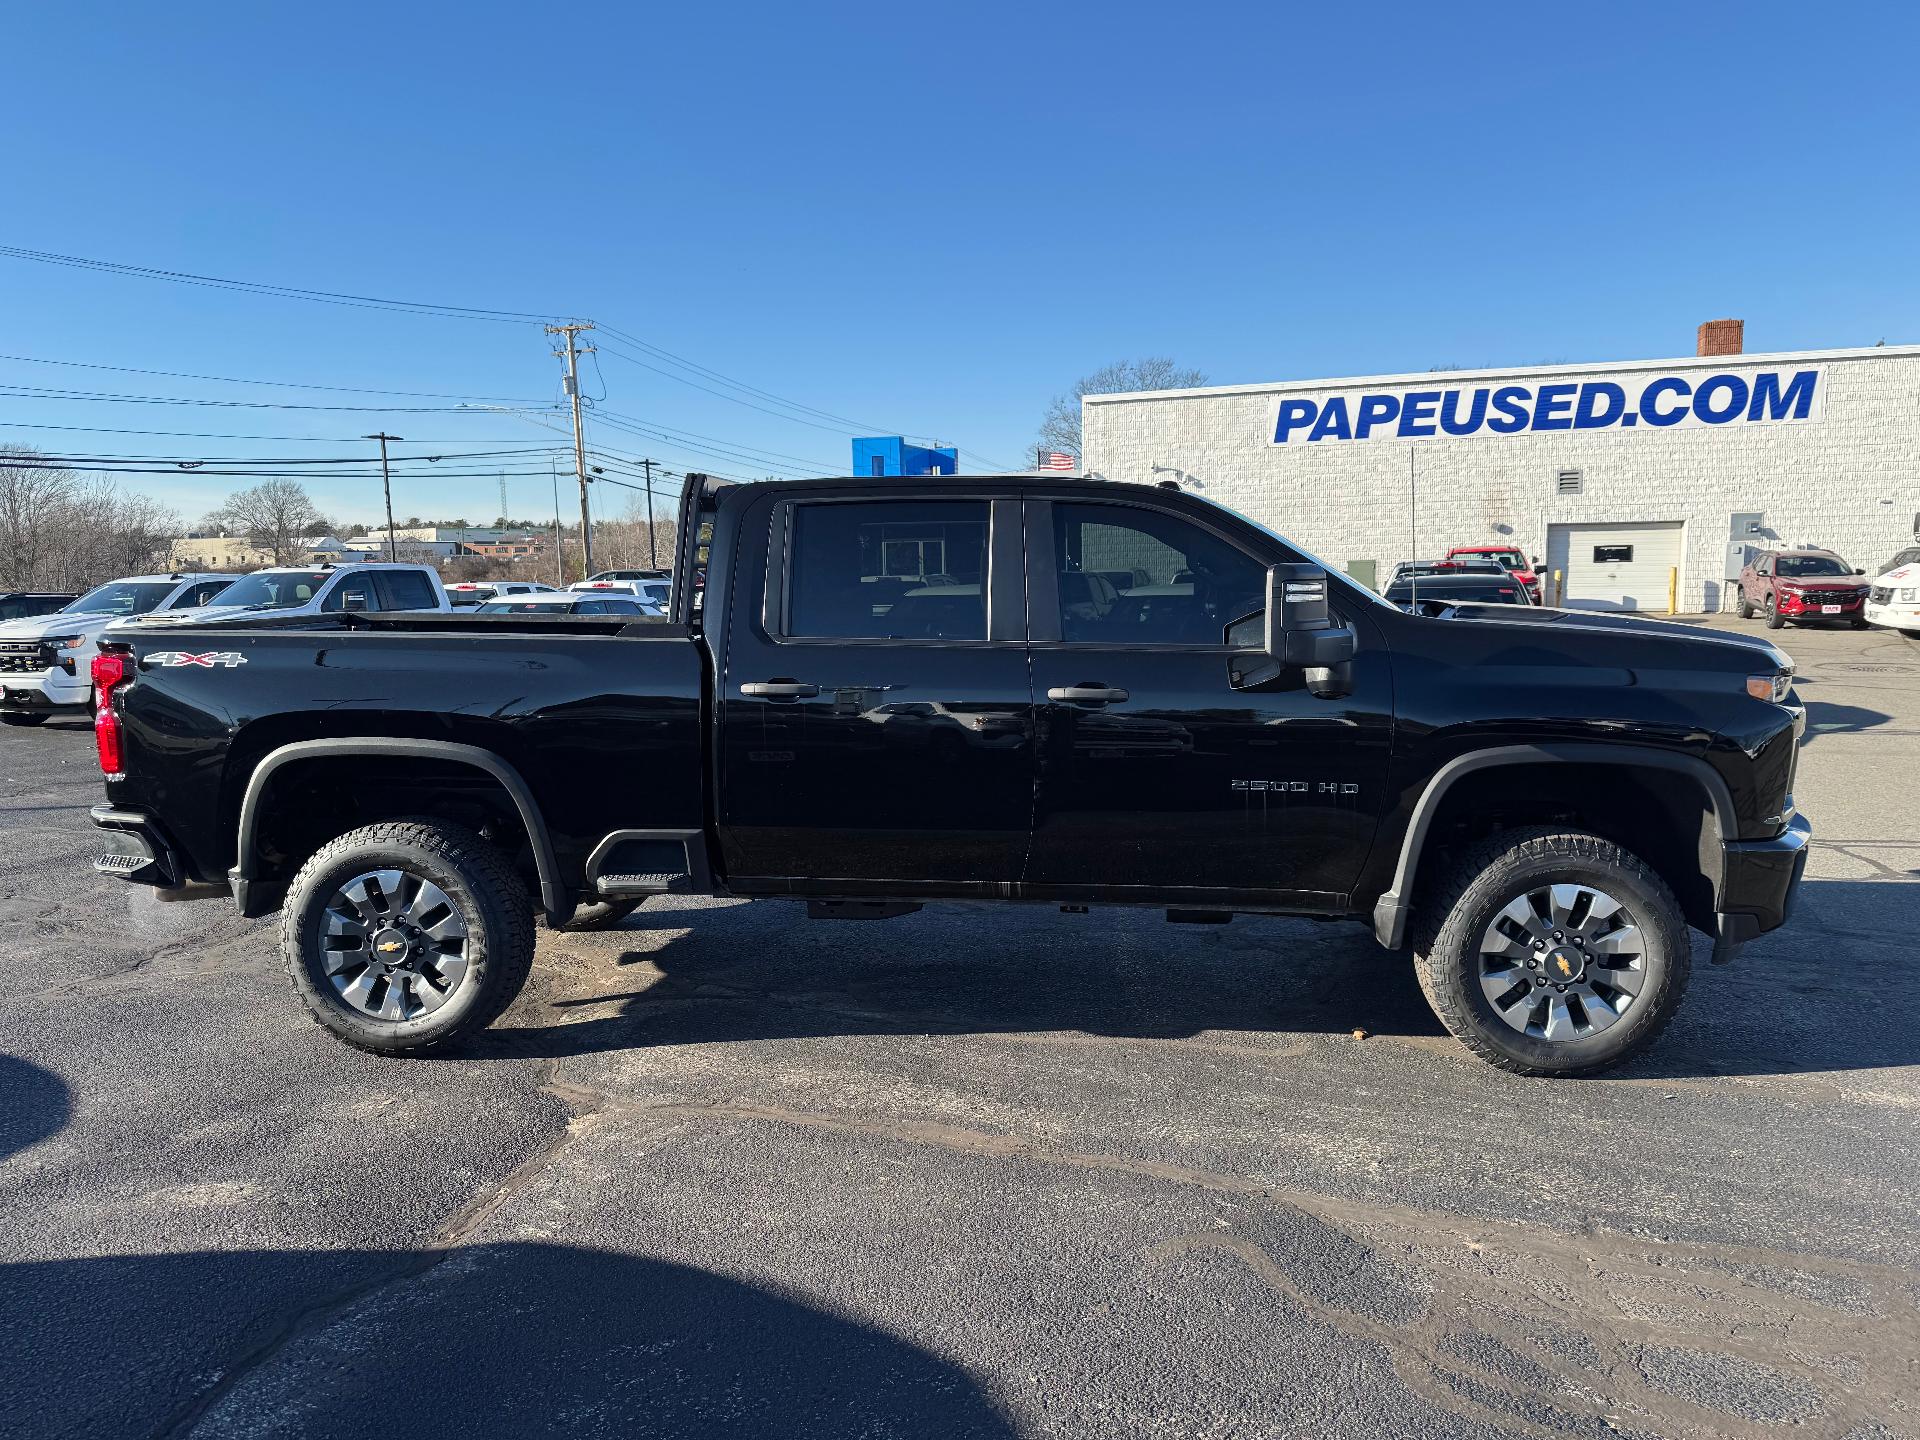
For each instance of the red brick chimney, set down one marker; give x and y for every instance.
(1721, 337)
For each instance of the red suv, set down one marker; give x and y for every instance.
(1801, 585)
(1513, 559)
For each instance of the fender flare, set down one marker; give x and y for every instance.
(1394, 907)
(553, 897)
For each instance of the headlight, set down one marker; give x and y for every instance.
(69, 642)
(1909, 594)
(1770, 687)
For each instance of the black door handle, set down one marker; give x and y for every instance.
(1087, 694)
(779, 690)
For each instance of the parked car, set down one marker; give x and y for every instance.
(1893, 600)
(475, 592)
(19, 604)
(606, 578)
(1455, 587)
(1801, 586)
(562, 602)
(1473, 784)
(296, 590)
(44, 658)
(1509, 557)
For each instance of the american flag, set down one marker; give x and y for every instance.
(1055, 460)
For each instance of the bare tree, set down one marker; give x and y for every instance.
(1060, 426)
(276, 515)
(64, 531)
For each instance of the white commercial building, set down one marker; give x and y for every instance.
(1614, 475)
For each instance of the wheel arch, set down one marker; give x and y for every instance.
(1394, 908)
(253, 898)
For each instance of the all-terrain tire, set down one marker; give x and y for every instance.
(1470, 895)
(602, 914)
(473, 875)
(19, 717)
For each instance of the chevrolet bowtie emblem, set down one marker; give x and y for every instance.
(393, 945)
(1565, 968)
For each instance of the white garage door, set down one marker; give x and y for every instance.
(1615, 567)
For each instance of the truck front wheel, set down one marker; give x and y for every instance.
(403, 936)
(1549, 952)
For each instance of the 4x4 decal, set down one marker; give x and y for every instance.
(206, 660)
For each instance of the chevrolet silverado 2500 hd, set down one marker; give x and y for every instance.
(1016, 688)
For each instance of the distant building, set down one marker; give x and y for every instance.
(434, 534)
(893, 455)
(533, 546)
(216, 552)
(405, 547)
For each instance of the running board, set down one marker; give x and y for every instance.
(629, 864)
(615, 886)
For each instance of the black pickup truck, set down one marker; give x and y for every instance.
(1020, 688)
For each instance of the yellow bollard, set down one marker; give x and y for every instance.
(1673, 590)
(1559, 588)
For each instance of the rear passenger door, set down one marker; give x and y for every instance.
(876, 721)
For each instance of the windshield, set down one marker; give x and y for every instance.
(1402, 592)
(121, 597)
(275, 590)
(1796, 566)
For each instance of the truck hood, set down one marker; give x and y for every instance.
(1569, 625)
(200, 614)
(38, 627)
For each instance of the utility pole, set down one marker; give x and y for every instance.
(386, 483)
(653, 553)
(572, 354)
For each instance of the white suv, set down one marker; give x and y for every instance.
(322, 590)
(46, 660)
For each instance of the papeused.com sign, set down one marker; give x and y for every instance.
(1658, 402)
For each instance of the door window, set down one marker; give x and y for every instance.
(403, 590)
(888, 570)
(1129, 576)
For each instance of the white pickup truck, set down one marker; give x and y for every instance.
(323, 590)
(44, 658)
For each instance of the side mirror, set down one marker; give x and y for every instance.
(1858, 571)
(1533, 562)
(1298, 633)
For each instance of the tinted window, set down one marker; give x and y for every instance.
(404, 590)
(1129, 576)
(913, 570)
(1402, 593)
(355, 592)
(198, 594)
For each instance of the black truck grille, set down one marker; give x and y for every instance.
(24, 657)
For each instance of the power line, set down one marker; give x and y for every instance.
(276, 384)
(531, 446)
(285, 292)
(38, 392)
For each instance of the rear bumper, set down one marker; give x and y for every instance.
(134, 847)
(1761, 880)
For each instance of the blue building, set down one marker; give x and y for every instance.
(892, 455)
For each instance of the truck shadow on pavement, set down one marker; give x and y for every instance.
(1810, 997)
(509, 1339)
(34, 1104)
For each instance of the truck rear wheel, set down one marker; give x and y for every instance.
(403, 936)
(1549, 952)
(1741, 607)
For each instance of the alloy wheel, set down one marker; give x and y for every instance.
(1562, 962)
(394, 945)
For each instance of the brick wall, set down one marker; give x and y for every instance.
(1816, 481)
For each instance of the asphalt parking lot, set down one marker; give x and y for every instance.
(968, 1173)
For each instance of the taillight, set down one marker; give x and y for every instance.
(109, 670)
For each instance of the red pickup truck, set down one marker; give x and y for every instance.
(1510, 556)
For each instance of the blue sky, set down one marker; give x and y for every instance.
(921, 218)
